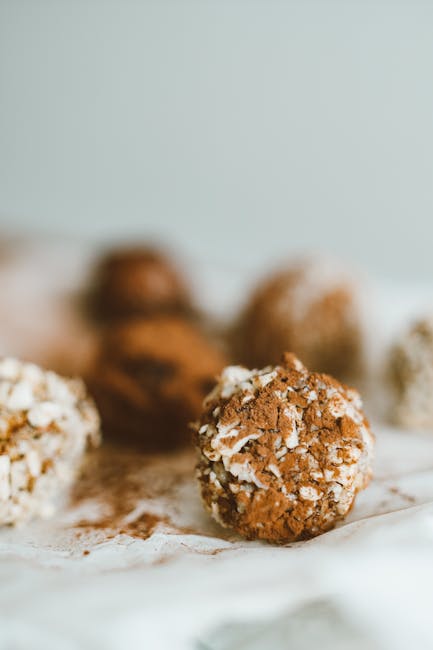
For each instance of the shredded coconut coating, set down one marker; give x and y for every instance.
(411, 373)
(283, 451)
(312, 308)
(46, 423)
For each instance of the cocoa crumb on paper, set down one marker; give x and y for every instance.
(406, 497)
(118, 480)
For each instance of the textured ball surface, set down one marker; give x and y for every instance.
(138, 281)
(151, 378)
(46, 424)
(411, 374)
(311, 309)
(283, 451)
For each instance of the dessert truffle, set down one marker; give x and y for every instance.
(310, 309)
(411, 374)
(151, 378)
(282, 451)
(46, 424)
(138, 281)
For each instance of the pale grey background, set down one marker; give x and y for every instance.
(242, 129)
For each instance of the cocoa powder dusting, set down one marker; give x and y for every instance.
(283, 451)
(139, 280)
(150, 380)
(118, 480)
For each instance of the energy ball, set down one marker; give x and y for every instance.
(46, 424)
(151, 378)
(310, 309)
(138, 281)
(282, 451)
(411, 374)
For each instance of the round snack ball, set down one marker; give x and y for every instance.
(283, 451)
(311, 309)
(151, 378)
(411, 374)
(46, 424)
(137, 281)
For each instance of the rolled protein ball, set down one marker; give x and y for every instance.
(312, 309)
(46, 424)
(151, 378)
(283, 451)
(411, 377)
(138, 281)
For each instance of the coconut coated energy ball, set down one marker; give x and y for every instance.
(411, 374)
(282, 451)
(312, 309)
(46, 424)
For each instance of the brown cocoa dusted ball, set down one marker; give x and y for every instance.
(311, 309)
(151, 378)
(138, 281)
(282, 451)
